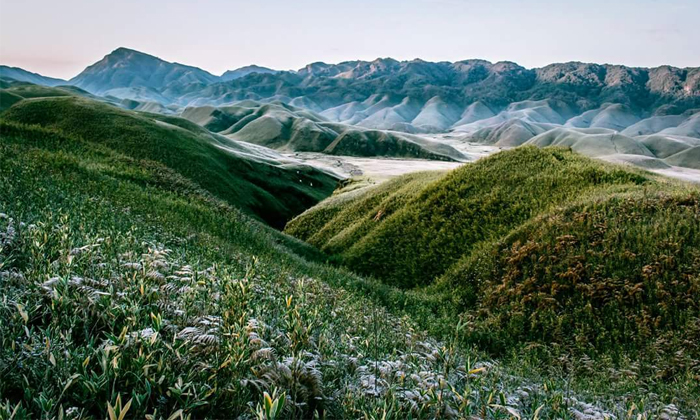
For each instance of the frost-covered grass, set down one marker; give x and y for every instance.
(126, 298)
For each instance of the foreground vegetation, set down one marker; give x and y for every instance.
(130, 290)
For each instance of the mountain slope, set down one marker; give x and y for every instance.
(21, 75)
(286, 128)
(496, 85)
(244, 71)
(125, 68)
(255, 179)
(593, 144)
(438, 95)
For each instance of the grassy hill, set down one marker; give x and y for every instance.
(257, 180)
(287, 128)
(126, 285)
(128, 288)
(540, 245)
(12, 91)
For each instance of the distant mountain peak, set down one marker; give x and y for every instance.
(128, 68)
(246, 70)
(124, 50)
(128, 53)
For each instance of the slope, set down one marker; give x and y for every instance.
(13, 91)
(126, 68)
(590, 142)
(21, 75)
(254, 179)
(124, 284)
(420, 232)
(129, 289)
(287, 128)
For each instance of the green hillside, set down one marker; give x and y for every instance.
(130, 290)
(124, 283)
(12, 92)
(256, 180)
(29, 90)
(538, 245)
(289, 129)
(414, 243)
(612, 271)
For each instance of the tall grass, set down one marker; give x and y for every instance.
(534, 246)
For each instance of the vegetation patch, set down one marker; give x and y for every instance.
(533, 246)
(262, 184)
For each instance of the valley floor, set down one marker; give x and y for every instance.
(677, 172)
(376, 169)
(380, 169)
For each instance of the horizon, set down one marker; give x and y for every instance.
(217, 36)
(2, 63)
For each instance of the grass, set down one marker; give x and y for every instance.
(534, 246)
(613, 272)
(413, 243)
(129, 290)
(260, 184)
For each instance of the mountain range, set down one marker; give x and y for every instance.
(394, 108)
(408, 87)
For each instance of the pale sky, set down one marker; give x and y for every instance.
(60, 38)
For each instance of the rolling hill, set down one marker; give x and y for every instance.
(290, 129)
(539, 245)
(13, 91)
(611, 132)
(257, 180)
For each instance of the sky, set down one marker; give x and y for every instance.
(60, 38)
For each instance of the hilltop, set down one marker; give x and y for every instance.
(126, 68)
